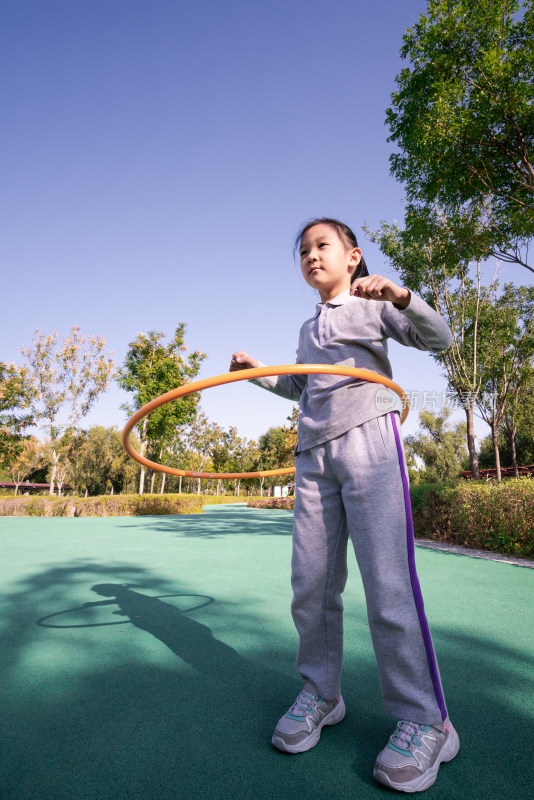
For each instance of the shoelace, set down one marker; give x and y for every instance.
(305, 704)
(406, 735)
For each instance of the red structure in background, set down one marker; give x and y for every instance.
(36, 487)
(506, 472)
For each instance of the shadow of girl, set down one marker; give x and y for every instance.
(190, 640)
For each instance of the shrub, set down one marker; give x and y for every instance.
(103, 506)
(223, 499)
(285, 503)
(491, 516)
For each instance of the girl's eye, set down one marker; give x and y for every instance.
(303, 253)
(323, 244)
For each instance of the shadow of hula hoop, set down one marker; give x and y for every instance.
(87, 606)
(245, 375)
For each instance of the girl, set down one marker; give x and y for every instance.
(351, 481)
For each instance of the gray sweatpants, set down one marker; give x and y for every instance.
(357, 485)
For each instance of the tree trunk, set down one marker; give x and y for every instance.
(198, 485)
(513, 434)
(17, 489)
(261, 487)
(111, 490)
(142, 480)
(180, 485)
(55, 459)
(494, 436)
(473, 457)
(142, 452)
(86, 491)
(152, 479)
(162, 488)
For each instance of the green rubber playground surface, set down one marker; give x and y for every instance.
(150, 657)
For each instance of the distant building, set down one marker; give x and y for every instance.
(26, 486)
(506, 472)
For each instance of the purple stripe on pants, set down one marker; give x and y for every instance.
(416, 588)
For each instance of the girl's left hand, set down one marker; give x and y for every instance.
(375, 287)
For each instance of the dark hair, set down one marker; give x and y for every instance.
(346, 235)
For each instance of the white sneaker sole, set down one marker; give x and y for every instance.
(428, 778)
(335, 716)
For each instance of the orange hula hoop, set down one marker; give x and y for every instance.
(245, 375)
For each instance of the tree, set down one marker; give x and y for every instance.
(463, 119)
(436, 255)
(276, 447)
(524, 447)
(517, 426)
(28, 460)
(123, 474)
(170, 450)
(291, 436)
(442, 449)
(243, 455)
(508, 360)
(150, 369)
(16, 395)
(175, 456)
(66, 380)
(211, 448)
(97, 462)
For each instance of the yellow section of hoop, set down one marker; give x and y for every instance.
(245, 375)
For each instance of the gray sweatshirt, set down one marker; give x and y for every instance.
(352, 332)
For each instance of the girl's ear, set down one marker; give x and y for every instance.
(355, 257)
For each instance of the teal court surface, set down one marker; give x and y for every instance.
(150, 657)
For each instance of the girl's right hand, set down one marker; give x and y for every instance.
(242, 360)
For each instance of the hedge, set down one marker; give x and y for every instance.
(284, 503)
(224, 499)
(112, 505)
(103, 506)
(498, 517)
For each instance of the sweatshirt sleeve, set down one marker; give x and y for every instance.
(417, 325)
(288, 386)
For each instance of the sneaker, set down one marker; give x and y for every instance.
(300, 728)
(411, 759)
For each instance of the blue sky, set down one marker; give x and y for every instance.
(158, 157)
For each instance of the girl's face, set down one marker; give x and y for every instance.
(326, 262)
